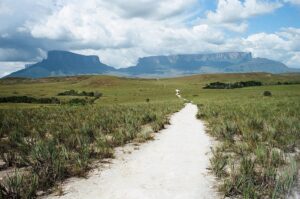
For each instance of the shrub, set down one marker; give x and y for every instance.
(77, 101)
(19, 185)
(77, 93)
(267, 93)
(218, 162)
(26, 99)
(220, 85)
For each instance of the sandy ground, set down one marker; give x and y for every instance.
(173, 166)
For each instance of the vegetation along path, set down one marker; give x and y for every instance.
(174, 165)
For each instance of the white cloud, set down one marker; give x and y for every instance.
(294, 60)
(148, 8)
(296, 2)
(240, 28)
(282, 46)
(161, 40)
(14, 14)
(230, 11)
(9, 67)
(120, 32)
(92, 27)
(232, 14)
(99, 24)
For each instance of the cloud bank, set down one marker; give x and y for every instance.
(120, 32)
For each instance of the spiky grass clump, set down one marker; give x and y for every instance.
(55, 143)
(257, 137)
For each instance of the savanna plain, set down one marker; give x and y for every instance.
(55, 128)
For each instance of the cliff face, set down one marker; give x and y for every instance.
(194, 59)
(191, 62)
(68, 58)
(230, 62)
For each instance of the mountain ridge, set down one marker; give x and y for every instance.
(64, 63)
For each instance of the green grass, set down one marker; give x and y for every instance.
(58, 142)
(258, 135)
(127, 90)
(115, 90)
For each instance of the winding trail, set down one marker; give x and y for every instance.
(173, 166)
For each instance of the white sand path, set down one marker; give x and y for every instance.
(173, 166)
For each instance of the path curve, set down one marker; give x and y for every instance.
(173, 166)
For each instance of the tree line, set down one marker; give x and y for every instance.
(77, 93)
(242, 84)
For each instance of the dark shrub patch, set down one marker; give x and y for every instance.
(77, 93)
(220, 85)
(77, 101)
(267, 93)
(26, 99)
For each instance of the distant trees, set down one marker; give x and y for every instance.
(80, 101)
(77, 93)
(54, 100)
(26, 99)
(287, 83)
(221, 85)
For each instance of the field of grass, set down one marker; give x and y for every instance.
(257, 155)
(55, 143)
(259, 139)
(115, 90)
(258, 136)
(47, 143)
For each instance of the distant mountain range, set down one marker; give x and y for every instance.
(63, 63)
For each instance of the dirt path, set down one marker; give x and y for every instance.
(173, 166)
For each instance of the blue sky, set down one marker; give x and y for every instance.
(286, 16)
(120, 32)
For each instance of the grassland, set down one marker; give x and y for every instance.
(258, 136)
(55, 143)
(48, 143)
(257, 155)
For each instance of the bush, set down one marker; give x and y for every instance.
(26, 99)
(267, 93)
(77, 101)
(220, 85)
(77, 93)
(19, 186)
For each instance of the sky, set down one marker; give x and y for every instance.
(120, 32)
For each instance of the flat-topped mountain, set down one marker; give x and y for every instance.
(230, 62)
(63, 63)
